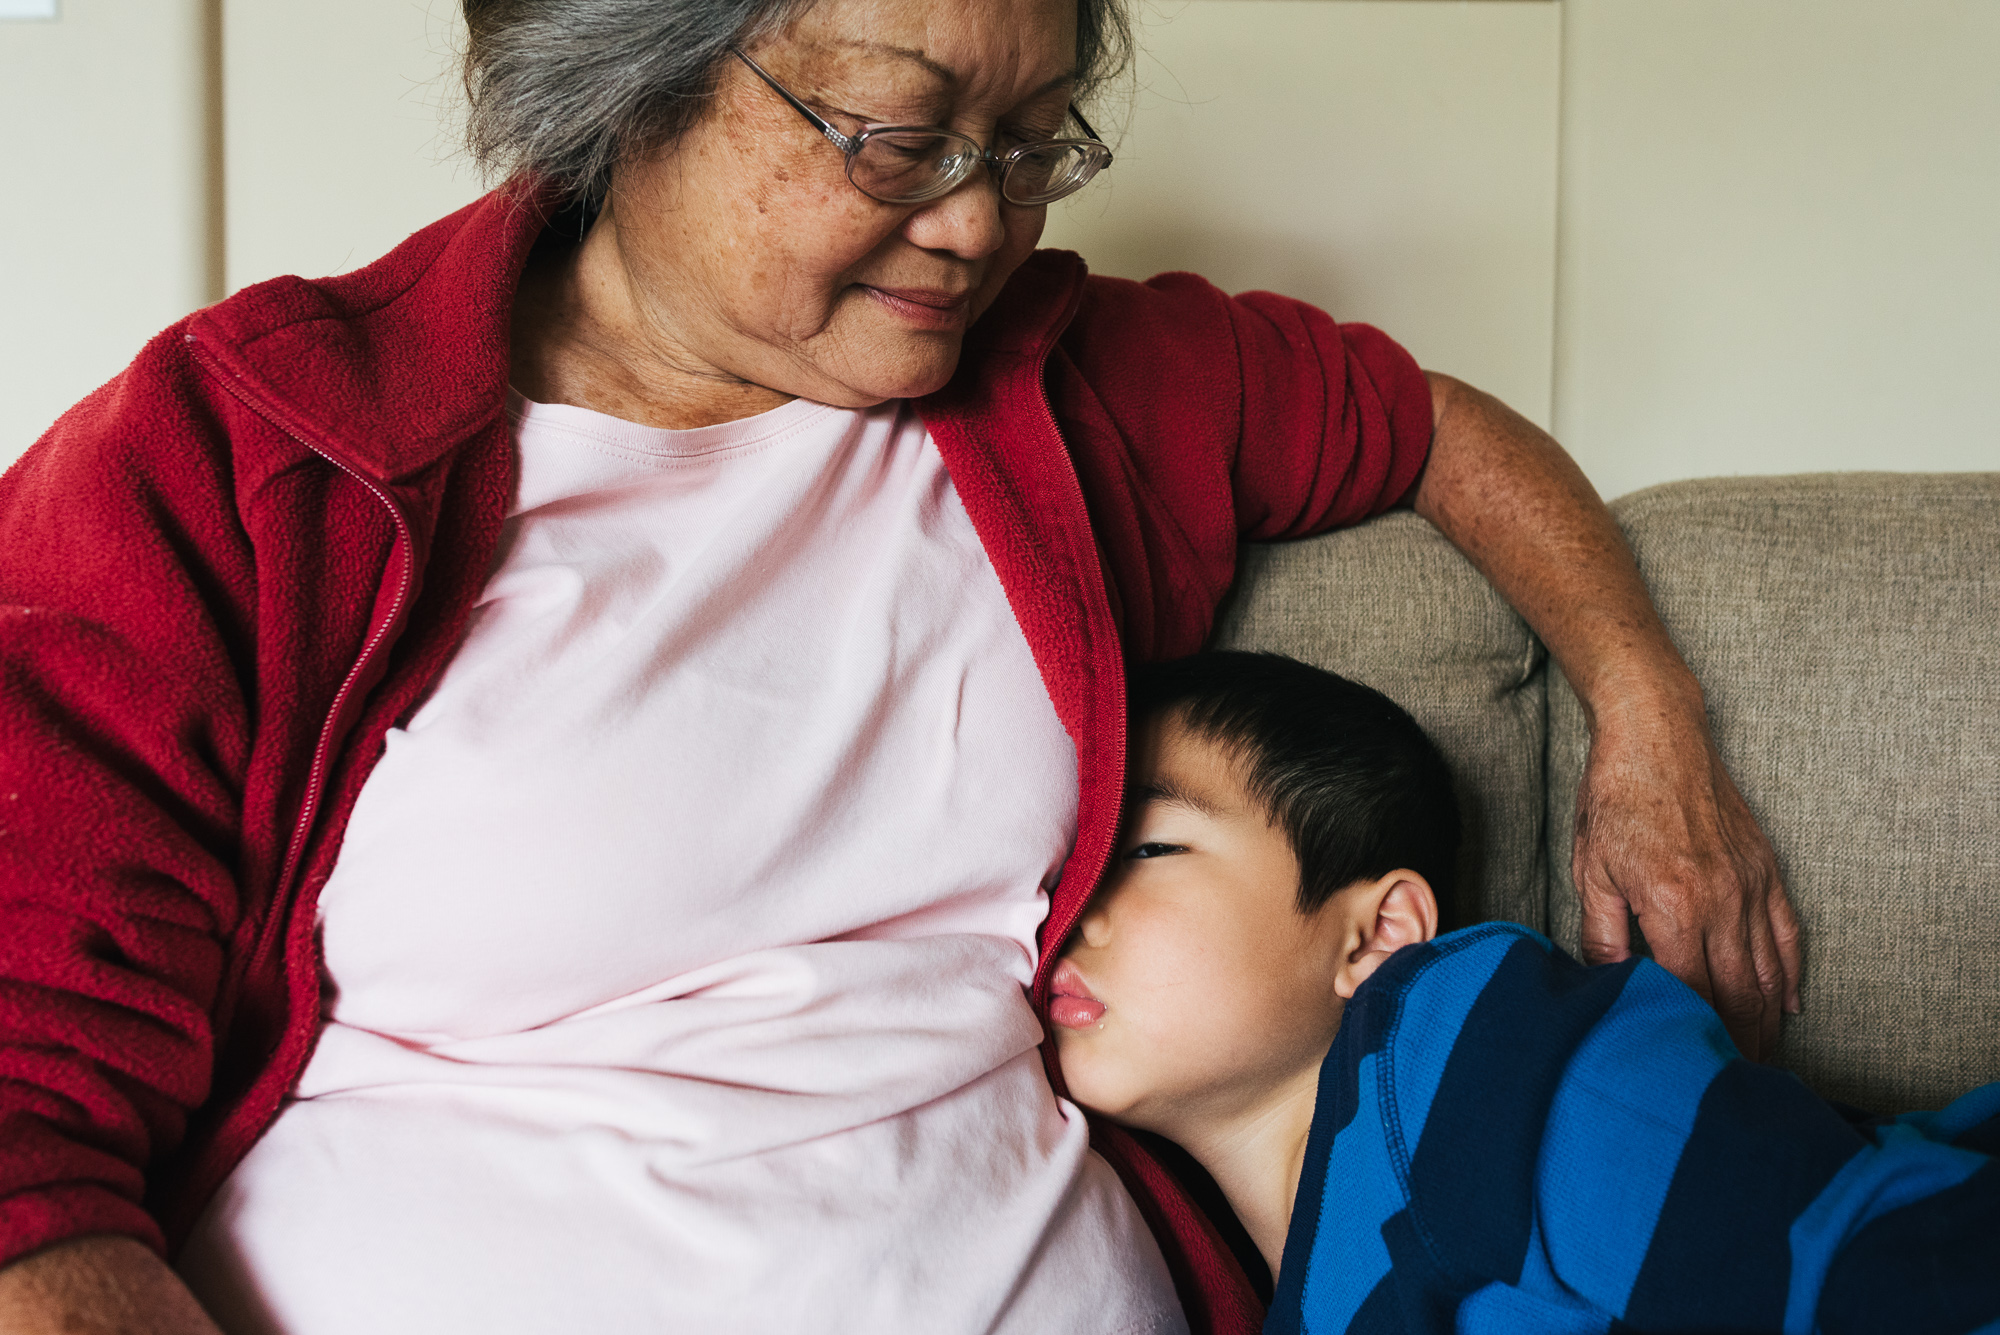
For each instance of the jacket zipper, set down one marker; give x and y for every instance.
(316, 775)
(1058, 930)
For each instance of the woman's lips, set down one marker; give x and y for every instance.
(933, 308)
(1070, 1003)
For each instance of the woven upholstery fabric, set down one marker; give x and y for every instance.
(1392, 604)
(1846, 632)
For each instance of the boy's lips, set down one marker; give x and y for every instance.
(1070, 1002)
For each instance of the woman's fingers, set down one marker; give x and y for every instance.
(1668, 836)
(1768, 926)
(1791, 953)
(1676, 927)
(1775, 931)
(1606, 936)
(1607, 931)
(1710, 926)
(1703, 935)
(1743, 959)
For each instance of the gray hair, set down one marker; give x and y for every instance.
(565, 89)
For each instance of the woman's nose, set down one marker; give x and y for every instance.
(967, 222)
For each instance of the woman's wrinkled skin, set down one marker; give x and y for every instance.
(738, 268)
(1662, 834)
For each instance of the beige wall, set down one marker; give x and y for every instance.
(342, 131)
(1700, 236)
(1391, 162)
(1780, 237)
(105, 220)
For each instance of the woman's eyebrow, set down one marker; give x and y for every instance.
(944, 72)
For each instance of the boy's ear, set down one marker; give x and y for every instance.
(1383, 916)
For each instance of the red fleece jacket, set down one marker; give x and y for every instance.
(225, 575)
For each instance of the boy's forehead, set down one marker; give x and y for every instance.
(1172, 763)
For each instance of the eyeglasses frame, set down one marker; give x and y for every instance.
(999, 163)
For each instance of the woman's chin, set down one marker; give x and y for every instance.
(933, 380)
(909, 377)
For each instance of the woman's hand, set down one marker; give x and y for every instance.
(1663, 835)
(1661, 829)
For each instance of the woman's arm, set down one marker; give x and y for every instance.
(1660, 827)
(98, 1286)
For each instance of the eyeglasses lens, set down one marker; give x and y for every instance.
(908, 166)
(1045, 174)
(912, 166)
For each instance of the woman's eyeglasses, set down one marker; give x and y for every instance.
(910, 164)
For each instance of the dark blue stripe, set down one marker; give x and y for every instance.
(1928, 1268)
(1981, 1139)
(1763, 1148)
(1379, 1314)
(1426, 1302)
(1472, 1177)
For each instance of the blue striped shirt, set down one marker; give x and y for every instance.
(1507, 1141)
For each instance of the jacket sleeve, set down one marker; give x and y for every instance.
(1336, 419)
(124, 581)
(1299, 424)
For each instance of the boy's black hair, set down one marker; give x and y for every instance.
(1342, 769)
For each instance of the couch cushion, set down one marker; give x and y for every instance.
(1392, 604)
(1846, 631)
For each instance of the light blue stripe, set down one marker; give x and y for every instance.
(1361, 1194)
(1620, 1119)
(1957, 1117)
(1903, 1168)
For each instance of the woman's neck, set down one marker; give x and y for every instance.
(1255, 1154)
(580, 335)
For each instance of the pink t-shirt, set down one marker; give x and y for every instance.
(676, 948)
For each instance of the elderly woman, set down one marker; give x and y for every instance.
(540, 777)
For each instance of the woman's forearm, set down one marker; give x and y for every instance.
(1661, 831)
(1516, 504)
(97, 1286)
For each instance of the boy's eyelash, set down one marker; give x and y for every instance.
(1157, 850)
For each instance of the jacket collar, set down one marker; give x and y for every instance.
(1031, 311)
(396, 365)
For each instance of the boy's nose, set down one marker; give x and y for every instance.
(1095, 928)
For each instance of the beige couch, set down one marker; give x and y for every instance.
(1846, 631)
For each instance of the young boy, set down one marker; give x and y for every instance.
(1472, 1132)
